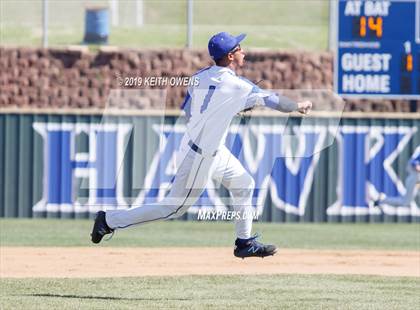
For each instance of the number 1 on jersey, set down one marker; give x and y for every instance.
(207, 98)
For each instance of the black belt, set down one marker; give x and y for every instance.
(198, 149)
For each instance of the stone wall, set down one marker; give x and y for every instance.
(75, 79)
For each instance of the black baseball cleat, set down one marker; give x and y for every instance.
(100, 228)
(252, 248)
(379, 201)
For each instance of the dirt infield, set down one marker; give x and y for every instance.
(23, 262)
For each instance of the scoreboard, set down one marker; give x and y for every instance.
(378, 49)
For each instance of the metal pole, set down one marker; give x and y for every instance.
(413, 106)
(114, 12)
(139, 13)
(189, 23)
(333, 27)
(45, 23)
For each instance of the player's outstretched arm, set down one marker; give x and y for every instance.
(284, 104)
(275, 101)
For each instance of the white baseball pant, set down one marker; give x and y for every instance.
(190, 181)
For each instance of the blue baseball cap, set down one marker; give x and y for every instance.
(222, 43)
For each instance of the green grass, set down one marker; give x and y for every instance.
(50, 232)
(213, 292)
(286, 24)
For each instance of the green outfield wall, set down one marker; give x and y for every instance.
(323, 168)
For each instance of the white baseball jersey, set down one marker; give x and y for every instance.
(219, 96)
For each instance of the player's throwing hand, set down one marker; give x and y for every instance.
(304, 107)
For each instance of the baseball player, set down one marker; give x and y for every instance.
(210, 108)
(413, 177)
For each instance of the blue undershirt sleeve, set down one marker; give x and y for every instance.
(269, 99)
(186, 106)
